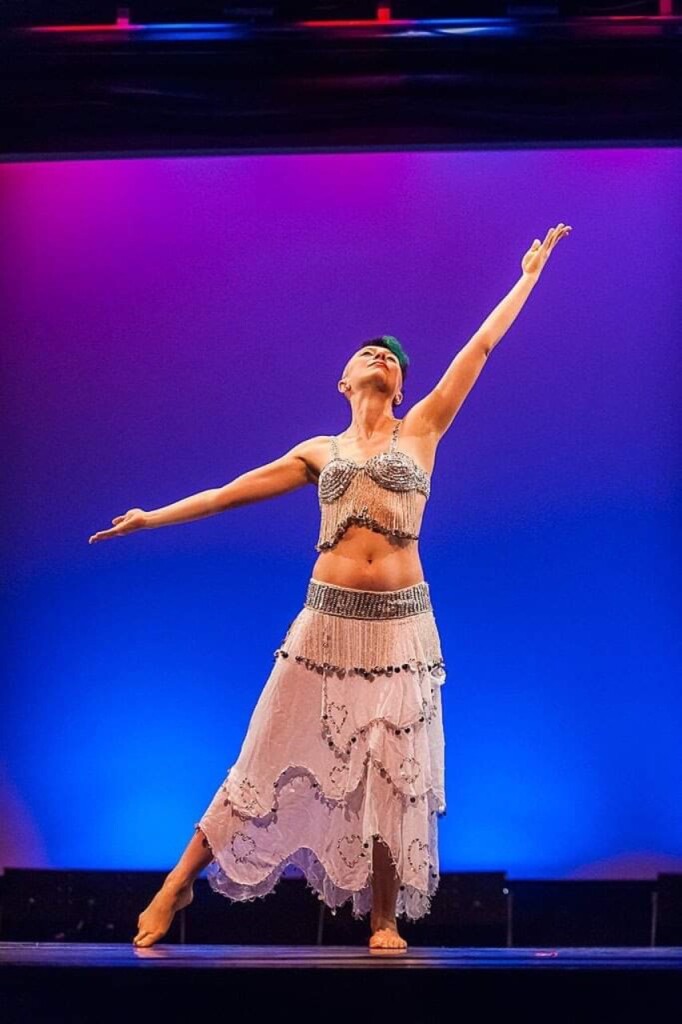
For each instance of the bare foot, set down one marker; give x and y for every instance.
(386, 937)
(156, 919)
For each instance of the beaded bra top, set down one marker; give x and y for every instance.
(387, 494)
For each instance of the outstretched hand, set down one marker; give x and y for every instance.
(538, 254)
(134, 519)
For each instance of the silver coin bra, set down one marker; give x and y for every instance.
(393, 470)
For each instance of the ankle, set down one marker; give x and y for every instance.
(176, 880)
(383, 921)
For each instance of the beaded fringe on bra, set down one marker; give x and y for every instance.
(364, 502)
(345, 743)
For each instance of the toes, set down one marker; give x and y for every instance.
(387, 940)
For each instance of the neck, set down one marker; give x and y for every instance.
(371, 416)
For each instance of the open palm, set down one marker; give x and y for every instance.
(538, 254)
(134, 519)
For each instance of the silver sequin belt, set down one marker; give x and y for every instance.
(368, 604)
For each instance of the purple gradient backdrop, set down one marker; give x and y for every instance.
(170, 323)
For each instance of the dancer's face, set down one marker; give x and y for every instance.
(376, 364)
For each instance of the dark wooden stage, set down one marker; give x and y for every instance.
(73, 982)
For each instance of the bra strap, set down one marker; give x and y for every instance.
(394, 436)
(335, 447)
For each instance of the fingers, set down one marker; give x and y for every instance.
(560, 232)
(102, 535)
(553, 236)
(560, 229)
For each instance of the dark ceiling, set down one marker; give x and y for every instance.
(240, 86)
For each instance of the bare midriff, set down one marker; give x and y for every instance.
(366, 560)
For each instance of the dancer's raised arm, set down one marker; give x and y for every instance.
(287, 473)
(438, 409)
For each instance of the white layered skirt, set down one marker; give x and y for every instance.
(344, 744)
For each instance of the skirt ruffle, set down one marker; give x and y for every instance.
(344, 744)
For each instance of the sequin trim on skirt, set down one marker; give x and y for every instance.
(344, 744)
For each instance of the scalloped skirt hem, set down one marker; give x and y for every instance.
(411, 903)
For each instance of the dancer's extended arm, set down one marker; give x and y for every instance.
(438, 409)
(287, 473)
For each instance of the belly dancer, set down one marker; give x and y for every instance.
(341, 771)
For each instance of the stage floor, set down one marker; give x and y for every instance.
(71, 983)
(612, 958)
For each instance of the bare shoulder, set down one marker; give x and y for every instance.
(315, 452)
(418, 440)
